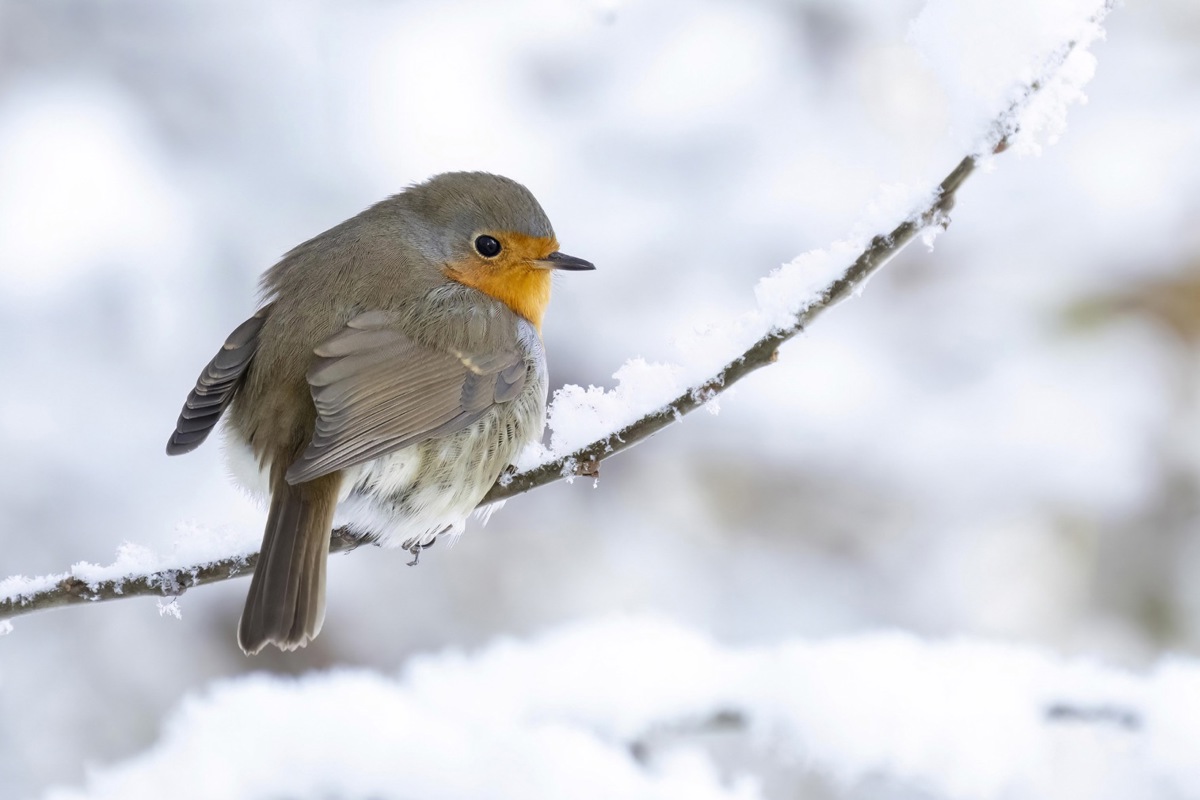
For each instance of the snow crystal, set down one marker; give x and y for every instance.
(170, 608)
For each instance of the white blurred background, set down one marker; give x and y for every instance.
(1000, 438)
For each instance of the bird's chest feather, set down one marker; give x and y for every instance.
(417, 493)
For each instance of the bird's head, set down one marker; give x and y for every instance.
(492, 235)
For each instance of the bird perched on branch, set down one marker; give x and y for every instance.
(393, 371)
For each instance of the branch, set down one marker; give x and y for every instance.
(586, 461)
(1118, 716)
(731, 719)
(71, 589)
(23, 596)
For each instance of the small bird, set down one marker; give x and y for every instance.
(393, 371)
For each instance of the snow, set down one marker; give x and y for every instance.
(949, 454)
(987, 56)
(624, 707)
(576, 416)
(194, 549)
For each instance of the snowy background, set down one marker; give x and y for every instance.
(997, 445)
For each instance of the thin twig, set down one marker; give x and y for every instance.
(1122, 717)
(586, 461)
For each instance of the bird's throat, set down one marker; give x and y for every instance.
(525, 290)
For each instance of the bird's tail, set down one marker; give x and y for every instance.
(286, 604)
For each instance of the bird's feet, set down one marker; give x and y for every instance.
(416, 549)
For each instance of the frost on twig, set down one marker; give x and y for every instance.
(591, 425)
(143, 575)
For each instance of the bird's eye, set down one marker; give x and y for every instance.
(487, 246)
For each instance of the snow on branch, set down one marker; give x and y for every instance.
(1012, 89)
(637, 707)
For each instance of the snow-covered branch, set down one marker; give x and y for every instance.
(87, 583)
(591, 425)
(641, 707)
(586, 460)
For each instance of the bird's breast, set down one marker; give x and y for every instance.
(415, 494)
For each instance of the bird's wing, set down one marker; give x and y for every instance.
(377, 390)
(216, 386)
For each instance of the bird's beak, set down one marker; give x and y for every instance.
(558, 260)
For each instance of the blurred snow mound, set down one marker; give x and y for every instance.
(622, 707)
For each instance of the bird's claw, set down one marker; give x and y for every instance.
(416, 551)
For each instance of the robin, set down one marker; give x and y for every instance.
(393, 371)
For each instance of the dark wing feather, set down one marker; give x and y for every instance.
(216, 386)
(377, 391)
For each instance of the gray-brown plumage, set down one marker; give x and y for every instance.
(396, 367)
(215, 387)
